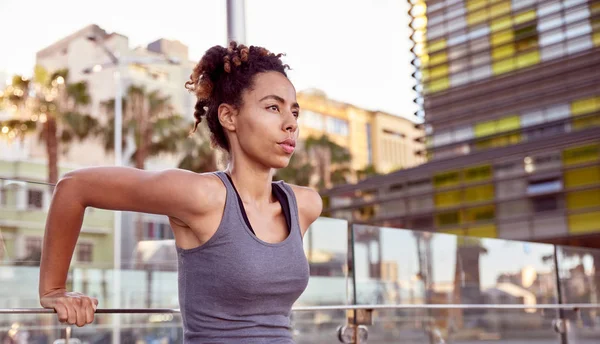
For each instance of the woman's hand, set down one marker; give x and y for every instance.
(72, 308)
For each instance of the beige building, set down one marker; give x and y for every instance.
(375, 138)
(141, 66)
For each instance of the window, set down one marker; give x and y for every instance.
(337, 126)
(312, 119)
(544, 186)
(546, 203)
(477, 214)
(423, 223)
(532, 118)
(34, 198)
(556, 112)
(463, 133)
(447, 219)
(553, 52)
(579, 44)
(550, 22)
(85, 252)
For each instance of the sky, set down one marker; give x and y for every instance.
(355, 51)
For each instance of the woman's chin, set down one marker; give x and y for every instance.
(280, 163)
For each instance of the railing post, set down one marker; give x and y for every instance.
(356, 331)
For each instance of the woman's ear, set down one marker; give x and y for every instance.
(227, 117)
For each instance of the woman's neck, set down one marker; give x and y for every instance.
(252, 182)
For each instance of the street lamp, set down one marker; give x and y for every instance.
(118, 63)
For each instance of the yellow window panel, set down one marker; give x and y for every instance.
(438, 58)
(475, 18)
(584, 123)
(444, 179)
(439, 71)
(583, 106)
(582, 176)
(524, 17)
(581, 154)
(439, 85)
(508, 123)
(424, 60)
(487, 231)
(479, 193)
(485, 128)
(500, 8)
(448, 199)
(447, 219)
(479, 214)
(437, 45)
(528, 59)
(584, 223)
(506, 140)
(504, 66)
(583, 199)
(454, 231)
(473, 5)
(478, 173)
(501, 23)
(503, 37)
(503, 51)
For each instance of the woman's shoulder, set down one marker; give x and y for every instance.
(206, 189)
(310, 203)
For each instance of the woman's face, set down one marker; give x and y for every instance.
(266, 126)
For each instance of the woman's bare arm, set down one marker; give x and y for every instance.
(175, 193)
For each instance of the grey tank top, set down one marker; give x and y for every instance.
(237, 288)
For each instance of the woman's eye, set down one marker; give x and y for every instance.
(274, 107)
(296, 114)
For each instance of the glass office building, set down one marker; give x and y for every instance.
(510, 96)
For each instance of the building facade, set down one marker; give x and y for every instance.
(162, 65)
(373, 138)
(510, 94)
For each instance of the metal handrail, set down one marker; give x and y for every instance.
(572, 306)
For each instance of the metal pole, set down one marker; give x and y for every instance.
(117, 214)
(236, 21)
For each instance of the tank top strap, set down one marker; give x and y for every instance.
(230, 196)
(293, 207)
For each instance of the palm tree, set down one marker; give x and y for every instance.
(56, 106)
(331, 161)
(198, 154)
(150, 119)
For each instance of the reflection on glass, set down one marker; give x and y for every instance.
(394, 266)
(579, 273)
(148, 279)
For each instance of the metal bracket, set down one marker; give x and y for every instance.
(352, 334)
(363, 317)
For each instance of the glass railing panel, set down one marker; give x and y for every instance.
(453, 326)
(579, 272)
(147, 271)
(394, 266)
(326, 248)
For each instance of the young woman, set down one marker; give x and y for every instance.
(238, 234)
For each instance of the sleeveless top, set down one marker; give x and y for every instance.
(237, 288)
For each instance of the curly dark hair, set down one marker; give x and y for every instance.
(221, 76)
